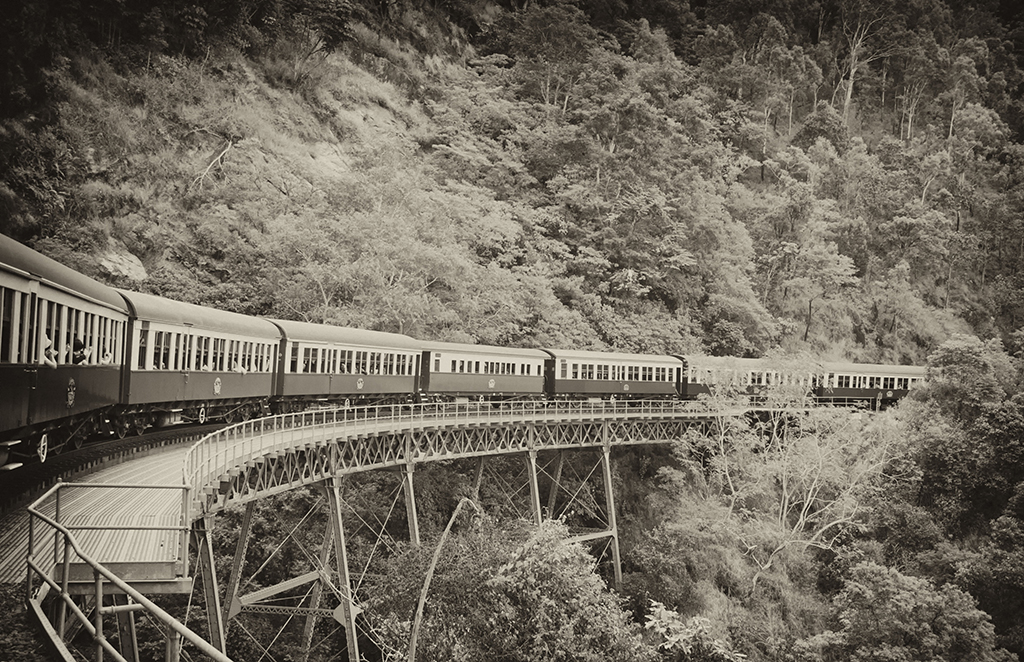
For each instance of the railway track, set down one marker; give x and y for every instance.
(19, 487)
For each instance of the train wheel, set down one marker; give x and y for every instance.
(201, 416)
(140, 424)
(76, 440)
(43, 448)
(246, 412)
(121, 427)
(229, 416)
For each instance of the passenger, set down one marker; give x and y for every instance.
(49, 353)
(107, 357)
(81, 353)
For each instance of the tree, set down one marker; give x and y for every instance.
(806, 477)
(862, 28)
(883, 615)
(510, 594)
(965, 374)
(551, 45)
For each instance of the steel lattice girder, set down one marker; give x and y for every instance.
(279, 472)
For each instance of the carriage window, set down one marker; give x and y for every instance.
(575, 370)
(202, 353)
(437, 365)
(455, 365)
(565, 369)
(7, 298)
(189, 344)
(307, 357)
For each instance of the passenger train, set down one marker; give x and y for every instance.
(80, 359)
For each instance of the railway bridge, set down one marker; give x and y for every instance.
(99, 551)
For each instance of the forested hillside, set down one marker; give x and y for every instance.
(840, 179)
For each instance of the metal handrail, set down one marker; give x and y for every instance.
(100, 574)
(231, 447)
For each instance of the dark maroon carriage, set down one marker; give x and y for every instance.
(192, 363)
(61, 343)
(338, 365)
(481, 372)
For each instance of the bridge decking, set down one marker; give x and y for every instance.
(95, 506)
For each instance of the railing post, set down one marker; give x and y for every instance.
(98, 615)
(31, 551)
(56, 517)
(172, 647)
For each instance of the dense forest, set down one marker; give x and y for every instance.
(835, 179)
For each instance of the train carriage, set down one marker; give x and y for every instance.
(192, 363)
(456, 370)
(841, 383)
(748, 376)
(61, 343)
(338, 364)
(574, 373)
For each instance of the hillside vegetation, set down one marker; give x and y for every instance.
(840, 179)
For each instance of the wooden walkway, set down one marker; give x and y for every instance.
(96, 506)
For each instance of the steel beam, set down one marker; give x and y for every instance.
(204, 549)
(478, 478)
(410, 504)
(609, 499)
(341, 556)
(235, 578)
(126, 628)
(318, 589)
(531, 471)
(555, 485)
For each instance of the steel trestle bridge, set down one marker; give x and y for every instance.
(97, 549)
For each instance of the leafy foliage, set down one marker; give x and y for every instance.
(884, 615)
(508, 594)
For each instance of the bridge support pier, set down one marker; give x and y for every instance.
(234, 605)
(348, 608)
(609, 500)
(531, 471)
(410, 504)
(556, 480)
(126, 628)
(315, 598)
(201, 529)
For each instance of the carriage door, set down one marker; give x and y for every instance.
(18, 366)
(186, 359)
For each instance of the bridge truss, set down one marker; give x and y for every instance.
(319, 451)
